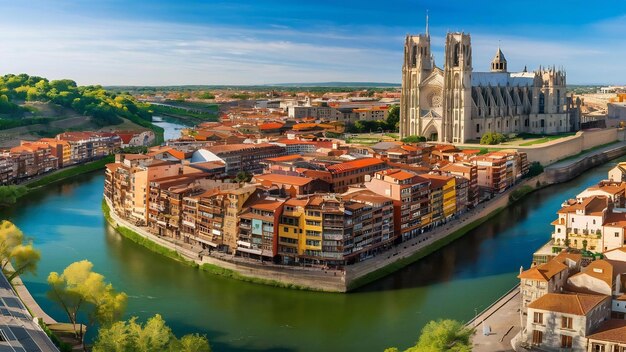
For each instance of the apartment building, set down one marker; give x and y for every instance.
(30, 160)
(7, 171)
(469, 172)
(442, 197)
(353, 172)
(166, 208)
(245, 157)
(498, 171)
(258, 235)
(86, 146)
(411, 199)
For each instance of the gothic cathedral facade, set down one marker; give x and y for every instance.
(454, 104)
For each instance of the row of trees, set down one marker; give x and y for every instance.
(106, 108)
(86, 298)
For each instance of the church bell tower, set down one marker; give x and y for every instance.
(457, 88)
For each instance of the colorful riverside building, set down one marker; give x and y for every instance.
(411, 199)
(442, 197)
(258, 230)
(333, 229)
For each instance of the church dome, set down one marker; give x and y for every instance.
(498, 64)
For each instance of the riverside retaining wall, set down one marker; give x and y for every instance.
(551, 152)
(565, 171)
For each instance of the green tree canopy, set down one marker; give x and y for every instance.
(154, 335)
(393, 118)
(492, 138)
(442, 336)
(17, 255)
(10, 194)
(80, 290)
(414, 139)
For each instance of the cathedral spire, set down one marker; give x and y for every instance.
(428, 34)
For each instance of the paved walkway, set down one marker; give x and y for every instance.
(28, 299)
(503, 321)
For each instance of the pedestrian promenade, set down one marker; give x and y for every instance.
(498, 324)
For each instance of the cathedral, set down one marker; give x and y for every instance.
(456, 104)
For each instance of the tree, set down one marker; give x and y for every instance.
(10, 194)
(442, 335)
(413, 139)
(243, 176)
(154, 335)
(16, 252)
(80, 290)
(492, 138)
(534, 169)
(393, 118)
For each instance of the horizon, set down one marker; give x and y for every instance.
(165, 43)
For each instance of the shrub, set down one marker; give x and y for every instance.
(491, 138)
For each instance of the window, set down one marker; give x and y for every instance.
(538, 337)
(566, 322)
(538, 318)
(597, 347)
(286, 229)
(594, 221)
(617, 234)
(477, 128)
(566, 341)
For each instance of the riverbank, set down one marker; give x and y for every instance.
(408, 252)
(353, 277)
(61, 174)
(312, 279)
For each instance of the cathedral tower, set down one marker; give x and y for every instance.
(418, 64)
(498, 64)
(457, 88)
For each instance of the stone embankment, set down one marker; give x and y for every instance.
(568, 169)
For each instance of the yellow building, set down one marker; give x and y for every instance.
(291, 232)
(442, 197)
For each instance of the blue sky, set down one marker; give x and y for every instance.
(158, 42)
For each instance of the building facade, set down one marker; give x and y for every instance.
(456, 104)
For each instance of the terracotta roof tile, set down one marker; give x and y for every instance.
(568, 303)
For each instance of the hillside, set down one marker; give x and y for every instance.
(31, 105)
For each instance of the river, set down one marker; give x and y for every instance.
(66, 224)
(172, 127)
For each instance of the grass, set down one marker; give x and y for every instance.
(70, 172)
(587, 151)
(520, 193)
(135, 237)
(183, 113)
(217, 270)
(542, 138)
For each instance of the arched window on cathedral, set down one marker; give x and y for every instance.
(456, 55)
(542, 103)
(558, 101)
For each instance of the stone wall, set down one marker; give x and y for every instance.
(562, 172)
(551, 152)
